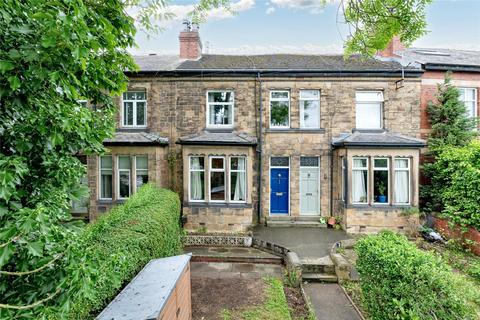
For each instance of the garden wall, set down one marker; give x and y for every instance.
(469, 238)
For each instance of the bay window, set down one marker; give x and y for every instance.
(106, 174)
(279, 109)
(360, 180)
(380, 180)
(238, 179)
(369, 113)
(309, 109)
(402, 181)
(220, 106)
(469, 97)
(197, 178)
(217, 179)
(141, 170)
(123, 174)
(134, 111)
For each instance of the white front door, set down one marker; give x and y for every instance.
(309, 195)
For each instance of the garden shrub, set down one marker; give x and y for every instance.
(399, 281)
(459, 168)
(122, 241)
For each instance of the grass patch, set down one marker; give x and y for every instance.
(274, 307)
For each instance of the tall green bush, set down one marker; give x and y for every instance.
(399, 281)
(459, 169)
(122, 241)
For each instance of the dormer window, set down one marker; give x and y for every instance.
(134, 112)
(220, 106)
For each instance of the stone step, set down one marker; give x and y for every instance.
(319, 277)
(295, 223)
(322, 265)
(232, 254)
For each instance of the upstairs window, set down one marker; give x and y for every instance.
(220, 109)
(469, 97)
(369, 113)
(134, 113)
(279, 109)
(309, 109)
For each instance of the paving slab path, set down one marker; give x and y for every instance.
(329, 302)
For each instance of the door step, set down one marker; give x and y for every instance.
(310, 223)
(319, 277)
(232, 254)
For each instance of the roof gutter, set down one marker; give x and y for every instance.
(379, 145)
(260, 150)
(451, 67)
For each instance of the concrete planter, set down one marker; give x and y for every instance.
(470, 238)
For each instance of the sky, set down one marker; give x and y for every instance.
(302, 26)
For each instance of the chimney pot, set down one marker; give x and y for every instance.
(190, 44)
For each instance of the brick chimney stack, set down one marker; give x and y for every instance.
(190, 43)
(394, 46)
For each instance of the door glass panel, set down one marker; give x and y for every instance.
(309, 161)
(279, 161)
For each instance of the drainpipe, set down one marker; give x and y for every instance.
(260, 150)
(331, 179)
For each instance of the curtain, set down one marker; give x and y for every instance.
(239, 194)
(359, 188)
(401, 181)
(196, 183)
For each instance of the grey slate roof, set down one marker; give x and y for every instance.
(146, 295)
(121, 138)
(377, 139)
(219, 138)
(447, 57)
(266, 63)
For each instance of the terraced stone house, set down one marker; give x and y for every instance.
(267, 138)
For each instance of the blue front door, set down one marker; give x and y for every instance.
(279, 191)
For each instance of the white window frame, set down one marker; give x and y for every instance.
(129, 177)
(122, 113)
(475, 100)
(230, 177)
(100, 177)
(387, 168)
(380, 102)
(343, 165)
(210, 171)
(283, 100)
(230, 104)
(190, 170)
(409, 184)
(137, 170)
(367, 187)
(302, 111)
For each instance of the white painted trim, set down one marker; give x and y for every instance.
(300, 187)
(230, 178)
(382, 106)
(270, 109)
(409, 184)
(118, 177)
(302, 111)
(204, 179)
(475, 100)
(122, 116)
(388, 181)
(210, 179)
(99, 181)
(207, 112)
(270, 167)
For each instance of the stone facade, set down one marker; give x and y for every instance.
(177, 108)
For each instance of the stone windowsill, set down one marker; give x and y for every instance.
(217, 205)
(379, 207)
(296, 130)
(110, 202)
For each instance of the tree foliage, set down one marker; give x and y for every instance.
(373, 23)
(450, 127)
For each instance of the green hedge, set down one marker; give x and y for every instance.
(122, 241)
(399, 281)
(459, 170)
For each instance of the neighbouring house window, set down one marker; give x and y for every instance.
(402, 181)
(369, 112)
(380, 180)
(469, 97)
(124, 171)
(141, 170)
(197, 178)
(220, 108)
(134, 112)
(217, 179)
(344, 177)
(310, 109)
(279, 109)
(106, 174)
(238, 179)
(359, 180)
